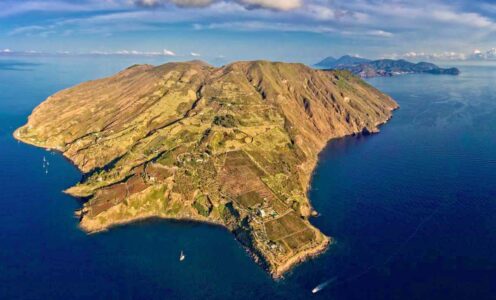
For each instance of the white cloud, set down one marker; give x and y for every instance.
(26, 30)
(379, 33)
(183, 3)
(399, 25)
(480, 55)
(167, 52)
(265, 26)
(291, 27)
(149, 3)
(419, 56)
(468, 19)
(125, 52)
(195, 3)
(13, 7)
(283, 5)
(321, 12)
(195, 54)
(422, 13)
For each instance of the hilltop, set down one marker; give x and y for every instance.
(233, 146)
(345, 60)
(383, 67)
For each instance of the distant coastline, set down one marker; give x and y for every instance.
(367, 68)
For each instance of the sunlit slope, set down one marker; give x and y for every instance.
(234, 146)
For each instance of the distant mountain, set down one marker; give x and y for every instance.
(390, 67)
(387, 67)
(346, 60)
(326, 62)
(350, 60)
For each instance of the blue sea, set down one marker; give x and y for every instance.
(412, 209)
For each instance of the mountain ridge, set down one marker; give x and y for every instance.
(345, 60)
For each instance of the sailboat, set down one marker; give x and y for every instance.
(182, 256)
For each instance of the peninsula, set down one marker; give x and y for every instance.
(233, 146)
(382, 67)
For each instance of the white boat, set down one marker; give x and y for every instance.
(323, 285)
(182, 256)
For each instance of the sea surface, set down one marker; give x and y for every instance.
(412, 209)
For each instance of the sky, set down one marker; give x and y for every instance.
(286, 30)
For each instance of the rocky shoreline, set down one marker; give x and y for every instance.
(301, 257)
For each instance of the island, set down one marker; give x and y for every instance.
(382, 67)
(233, 146)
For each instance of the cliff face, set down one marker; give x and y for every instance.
(234, 145)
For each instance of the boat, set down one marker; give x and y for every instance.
(321, 286)
(182, 256)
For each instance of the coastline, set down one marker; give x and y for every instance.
(19, 138)
(276, 271)
(316, 162)
(301, 257)
(327, 241)
(277, 267)
(96, 229)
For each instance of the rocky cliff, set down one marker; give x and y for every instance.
(234, 146)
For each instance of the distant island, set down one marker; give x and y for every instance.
(233, 146)
(382, 67)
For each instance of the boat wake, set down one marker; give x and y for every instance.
(323, 285)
